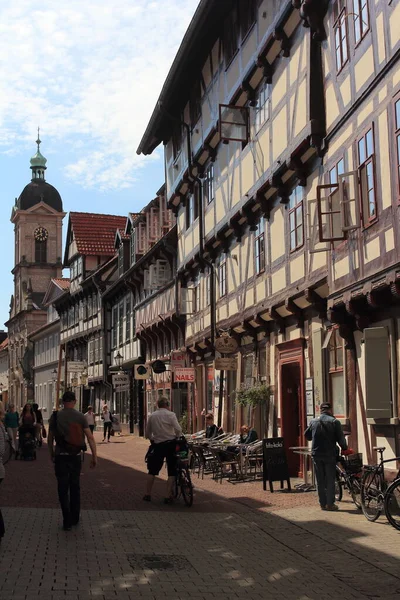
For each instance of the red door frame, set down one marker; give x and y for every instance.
(291, 353)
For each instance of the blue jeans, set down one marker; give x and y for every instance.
(325, 474)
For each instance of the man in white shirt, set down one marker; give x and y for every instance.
(162, 430)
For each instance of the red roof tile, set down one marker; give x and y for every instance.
(62, 283)
(95, 234)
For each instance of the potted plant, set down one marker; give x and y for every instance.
(253, 395)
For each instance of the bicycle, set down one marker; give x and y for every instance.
(392, 503)
(348, 476)
(9, 450)
(183, 481)
(374, 488)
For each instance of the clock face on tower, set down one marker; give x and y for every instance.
(41, 234)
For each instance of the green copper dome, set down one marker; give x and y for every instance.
(38, 162)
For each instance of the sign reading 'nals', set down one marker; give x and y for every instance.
(186, 374)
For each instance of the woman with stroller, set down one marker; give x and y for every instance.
(28, 417)
(2, 470)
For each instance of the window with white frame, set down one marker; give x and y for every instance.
(208, 184)
(222, 277)
(261, 111)
(335, 349)
(259, 247)
(296, 226)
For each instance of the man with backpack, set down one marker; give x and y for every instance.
(68, 428)
(325, 432)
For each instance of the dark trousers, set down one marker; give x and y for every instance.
(91, 427)
(68, 470)
(325, 475)
(2, 528)
(107, 427)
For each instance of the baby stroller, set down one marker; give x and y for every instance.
(27, 443)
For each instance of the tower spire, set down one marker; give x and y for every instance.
(38, 161)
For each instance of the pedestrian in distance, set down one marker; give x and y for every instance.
(11, 423)
(68, 429)
(162, 430)
(212, 430)
(325, 432)
(90, 418)
(2, 470)
(106, 416)
(39, 423)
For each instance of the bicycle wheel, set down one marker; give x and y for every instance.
(176, 486)
(371, 495)
(338, 489)
(8, 452)
(186, 487)
(355, 490)
(392, 504)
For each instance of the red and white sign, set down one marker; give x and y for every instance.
(186, 374)
(178, 359)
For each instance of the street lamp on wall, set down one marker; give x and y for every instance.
(118, 358)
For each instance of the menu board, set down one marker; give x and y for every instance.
(275, 465)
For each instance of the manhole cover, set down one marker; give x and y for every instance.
(159, 562)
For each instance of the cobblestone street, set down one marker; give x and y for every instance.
(236, 541)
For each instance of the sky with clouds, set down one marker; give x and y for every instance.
(89, 75)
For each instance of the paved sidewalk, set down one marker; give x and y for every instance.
(236, 541)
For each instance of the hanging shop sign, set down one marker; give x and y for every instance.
(184, 375)
(226, 364)
(120, 382)
(178, 359)
(75, 366)
(141, 372)
(159, 366)
(226, 344)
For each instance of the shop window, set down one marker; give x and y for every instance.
(340, 33)
(366, 162)
(296, 226)
(361, 19)
(259, 247)
(336, 373)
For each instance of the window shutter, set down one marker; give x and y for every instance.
(153, 225)
(330, 226)
(349, 200)
(163, 272)
(314, 243)
(146, 280)
(187, 300)
(377, 373)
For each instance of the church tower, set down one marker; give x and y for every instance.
(37, 217)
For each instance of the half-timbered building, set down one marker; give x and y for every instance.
(141, 309)
(93, 264)
(254, 115)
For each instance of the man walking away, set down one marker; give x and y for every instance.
(68, 427)
(162, 430)
(325, 432)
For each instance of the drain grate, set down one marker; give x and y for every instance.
(159, 562)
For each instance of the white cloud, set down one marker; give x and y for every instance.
(89, 74)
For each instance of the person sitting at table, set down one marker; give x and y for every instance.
(248, 435)
(212, 430)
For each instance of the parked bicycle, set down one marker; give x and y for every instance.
(183, 481)
(374, 490)
(9, 451)
(348, 477)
